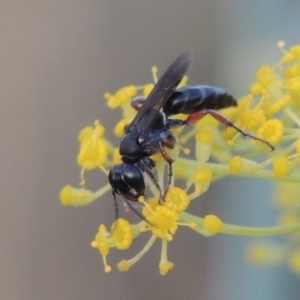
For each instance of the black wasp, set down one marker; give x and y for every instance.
(149, 132)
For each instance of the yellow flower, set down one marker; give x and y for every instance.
(271, 131)
(122, 234)
(119, 128)
(165, 267)
(163, 221)
(93, 148)
(212, 224)
(281, 167)
(122, 96)
(70, 196)
(176, 199)
(272, 109)
(102, 243)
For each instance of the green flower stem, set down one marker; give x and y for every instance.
(137, 228)
(146, 248)
(292, 115)
(101, 191)
(189, 166)
(246, 231)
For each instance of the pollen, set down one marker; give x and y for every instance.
(281, 167)
(202, 176)
(280, 104)
(294, 84)
(123, 265)
(184, 81)
(66, 195)
(163, 220)
(165, 267)
(252, 119)
(292, 71)
(147, 89)
(70, 196)
(204, 142)
(256, 89)
(212, 224)
(176, 199)
(117, 157)
(107, 269)
(120, 127)
(122, 234)
(288, 57)
(141, 199)
(205, 137)
(92, 153)
(238, 164)
(271, 131)
(88, 132)
(122, 96)
(265, 75)
(100, 242)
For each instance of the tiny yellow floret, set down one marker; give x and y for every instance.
(176, 199)
(147, 89)
(101, 242)
(70, 196)
(107, 269)
(202, 175)
(236, 165)
(164, 221)
(123, 265)
(252, 119)
(271, 131)
(212, 224)
(122, 234)
(294, 262)
(258, 254)
(122, 96)
(205, 137)
(281, 167)
(256, 89)
(92, 154)
(280, 104)
(298, 145)
(165, 267)
(117, 157)
(120, 127)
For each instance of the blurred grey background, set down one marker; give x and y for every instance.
(57, 58)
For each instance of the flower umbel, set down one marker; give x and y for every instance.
(270, 111)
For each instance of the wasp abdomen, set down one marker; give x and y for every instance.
(191, 99)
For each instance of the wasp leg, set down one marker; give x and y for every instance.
(169, 160)
(116, 206)
(135, 210)
(175, 123)
(193, 118)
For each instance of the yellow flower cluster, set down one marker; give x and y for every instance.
(270, 111)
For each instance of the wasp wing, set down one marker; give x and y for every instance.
(161, 92)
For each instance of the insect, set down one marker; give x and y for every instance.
(150, 130)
